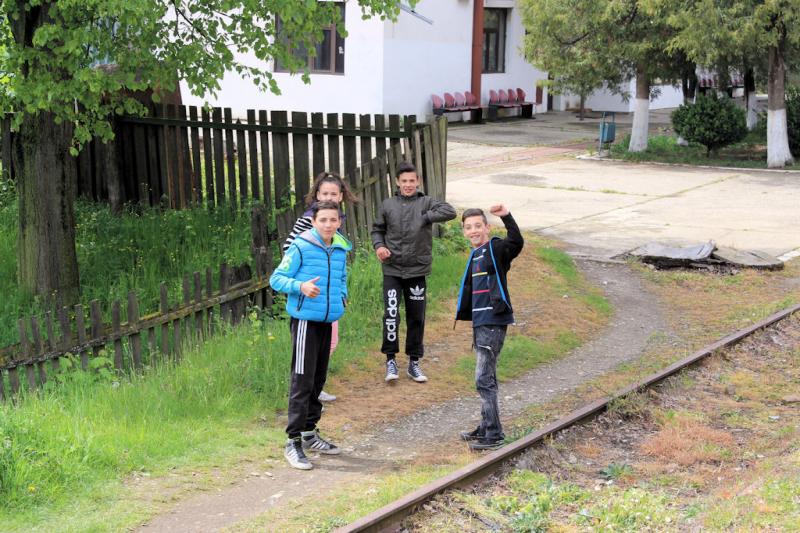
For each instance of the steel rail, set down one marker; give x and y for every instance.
(393, 513)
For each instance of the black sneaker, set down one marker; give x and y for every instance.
(293, 452)
(313, 442)
(415, 372)
(484, 443)
(391, 370)
(470, 436)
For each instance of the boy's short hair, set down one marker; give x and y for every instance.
(404, 167)
(473, 212)
(321, 206)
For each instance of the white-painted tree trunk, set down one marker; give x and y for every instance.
(641, 112)
(681, 141)
(778, 153)
(641, 124)
(752, 115)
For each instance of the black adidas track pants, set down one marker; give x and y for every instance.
(311, 349)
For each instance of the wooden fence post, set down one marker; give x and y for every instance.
(135, 338)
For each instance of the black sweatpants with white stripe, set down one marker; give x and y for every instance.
(311, 350)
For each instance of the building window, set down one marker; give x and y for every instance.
(494, 39)
(329, 57)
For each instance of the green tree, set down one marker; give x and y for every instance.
(617, 40)
(711, 121)
(748, 33)
(61, 99)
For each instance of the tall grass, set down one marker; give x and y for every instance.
(134, 251)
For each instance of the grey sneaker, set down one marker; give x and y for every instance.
(391, 370)
(295, 456)
(313, 442)
(415, 372)
(469, 436)
(325, 397)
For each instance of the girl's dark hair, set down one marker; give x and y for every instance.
(321, 206)
(330, 177)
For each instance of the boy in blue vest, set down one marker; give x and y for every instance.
(484, 300)
(313, 273)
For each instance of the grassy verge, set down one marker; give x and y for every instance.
(750, 153)
(91, 432)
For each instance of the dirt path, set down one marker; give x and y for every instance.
(387, 442)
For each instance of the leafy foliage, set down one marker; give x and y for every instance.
(711, 121)
(98, 53)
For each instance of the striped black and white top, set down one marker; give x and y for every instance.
(301, 224)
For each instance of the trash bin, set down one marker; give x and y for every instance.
(608, 130)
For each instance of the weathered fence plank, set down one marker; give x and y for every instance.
(300, 155)
(252, 148)
(266, 180)
(219, 157)
(197, 185)
(230, 157)
(317, 146)
(116, 323)
(280, 154)
(333, 146)
(241, 151)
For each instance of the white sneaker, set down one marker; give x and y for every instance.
(293, 452)
(313, 442)
(391, 370)
(415, 372)
(325, 397)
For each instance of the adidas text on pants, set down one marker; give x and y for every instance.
(412, 293)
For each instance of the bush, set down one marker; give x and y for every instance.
(793, 119)
(711, 121)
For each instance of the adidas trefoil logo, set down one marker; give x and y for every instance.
(417, 293)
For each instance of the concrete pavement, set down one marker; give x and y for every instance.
(608, 208)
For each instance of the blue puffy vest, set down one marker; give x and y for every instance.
(307, 258)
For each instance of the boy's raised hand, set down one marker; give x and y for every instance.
(309, 288)
(499, 210)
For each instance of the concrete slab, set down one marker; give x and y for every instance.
(612, 208)
(610, 178)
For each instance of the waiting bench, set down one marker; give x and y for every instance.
(457, 104)
(509, 100)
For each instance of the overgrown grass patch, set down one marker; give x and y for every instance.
(750, 153)
(134, 251)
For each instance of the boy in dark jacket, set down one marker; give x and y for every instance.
(484, 300)
(403, 238)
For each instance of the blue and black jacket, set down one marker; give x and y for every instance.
(307, 258)
(502, 252)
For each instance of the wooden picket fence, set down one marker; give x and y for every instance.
(183, 156)
(142, 341)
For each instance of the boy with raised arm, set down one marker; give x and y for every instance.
(484, 300)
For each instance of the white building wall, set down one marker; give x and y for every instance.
(358, 90)
(604, 100)
(421, 59)
(518, 72)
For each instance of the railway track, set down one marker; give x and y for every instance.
(391, 514)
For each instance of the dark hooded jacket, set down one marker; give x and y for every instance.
(404, 226)
(502, 252)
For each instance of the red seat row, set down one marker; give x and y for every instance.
(510, 99)
(457, 103)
